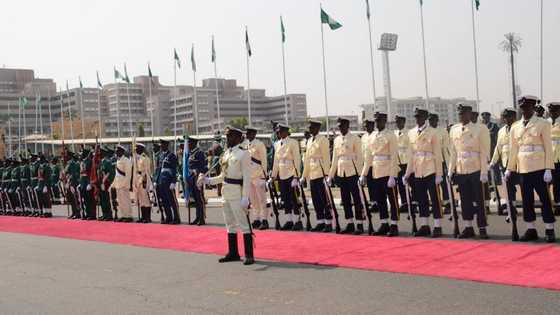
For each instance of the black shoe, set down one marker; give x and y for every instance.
(298, 226)
(468, 232)
(423, 231)
(264, 225)
(288, 226)
(248, 245)
(393, 230)
(349, 229)
(359, 229)
(549, 236)
(437, 232)
(530, 235)
(256, 224)
(557, 211)
(328, 228)
(233, 252)
(403, 208)
(447, 209)
(482, 234)
(383, 230)
(176, 222)
(195, 222)
(318, 228)
(201, 222)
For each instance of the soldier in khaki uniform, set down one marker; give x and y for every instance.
(402, 157)
(531, 157)
(258, 166)
(122, 184)
(380, 158)
(346, 164)
(286, 166)
(143, 183)
(554, 113)
(445, 144)
(424, 172)
(236, 178)
(316, 164)
(501, 154)
(486, 134)
(369, 127)
(468, 167)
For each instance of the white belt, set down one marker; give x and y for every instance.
(403, 150)
(283, 161)
(379, 157)
(346, 157)
(556, 142)
(468, 154)
(315, 160)
(423, 153)
(531, 148)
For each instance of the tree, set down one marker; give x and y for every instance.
(167, 132)
(239, 122)
(511, 45)
(141, 132)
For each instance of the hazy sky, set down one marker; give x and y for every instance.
(66, 38)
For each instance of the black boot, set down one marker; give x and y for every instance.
(298, 226)
(483, 235)
(248, 244)
(393, 230)
(288, 226)
(530, 235)
(328, 228)
(318, 228)
(233, 252)
(468, 232)
(423, 231)
(359, 229)
(256, 224)
(349, 229)
(383, 230)
(549, 236)
(437, 232)
(557, 211)
(264, 225)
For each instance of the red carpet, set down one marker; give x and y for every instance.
(502, 263)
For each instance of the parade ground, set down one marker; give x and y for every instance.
(58, 266)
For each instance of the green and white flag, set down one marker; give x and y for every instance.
(421, 2)
(213, 50)
(477, 3)
(368, 13)
(23, 101)
(176, 57)
(247, 43)
(81, 84)
(126, 78)
(118, 75)
(326, 19)
(193, 62)
(67, 88)
(283, 30)
(99, 85)
(150, 75)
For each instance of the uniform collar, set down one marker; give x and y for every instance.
(423, 127)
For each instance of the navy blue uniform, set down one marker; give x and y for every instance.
(167, 175)
(197, 165)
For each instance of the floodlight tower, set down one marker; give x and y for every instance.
(388, 43)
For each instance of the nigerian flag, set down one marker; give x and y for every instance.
(368, 13)
(150, 75)
(126, 78)
(213, 50)
(247, 43)
(421, 2)
(118, 75)
(23, 101)
(477, 3)
(326, 19)
(283, 30)
(193, 61)
(99, 85)
(81, 84)
(177, 59)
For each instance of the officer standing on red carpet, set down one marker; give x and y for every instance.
(236, 179)
(121, 184)
(347, 161)
(433, 119)
(468, 167)
(381, 158)
(402, 157)
(424, 172)
(259, 167)
(531, 157)
(369, 127)
(554, 113)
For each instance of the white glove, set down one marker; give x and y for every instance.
(269, 182)
(244, 203)
(295, 183)
(88, 187)
(450, 174)
(172, 186)
(507, 175)
(405, 179)
(45, 190)
(439, 179)
(302, 180)
(547, 176)
(362, 181)
(484, 177)
(200, 180)
(102, 187)
(391, 182)
(328, 180)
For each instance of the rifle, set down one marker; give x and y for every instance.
(21, 203)
(512, 216)
(304, 200)
(364, 202)
(454, 214)
(495, 187)
(274, 205)
(411, 213)
(330, 199)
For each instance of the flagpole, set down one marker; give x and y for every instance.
(82, 112)
(427, 102)
(9, 130)
(118, 108)
(70, 118)
(51, 121)
(128, 100)
(541, 74)
(475, 57)
(216, 84)
(99, 110)
(325, 77)
(152, 107)
(41, 126)
(248, 78)
(36, 132)
(284, 75)
(174, 105)
(371, 58)
(19, 124)
(61, 117)
(24, 129)
(195, 98)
